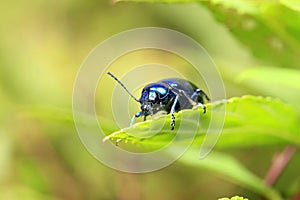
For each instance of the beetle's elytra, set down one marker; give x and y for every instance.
(169, 95)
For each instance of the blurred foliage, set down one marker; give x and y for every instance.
(43, 44)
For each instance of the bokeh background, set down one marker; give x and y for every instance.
(42, 45)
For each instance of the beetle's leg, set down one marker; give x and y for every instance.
(202, 106)
(203, 94)
(138, 114)
(192, 102)
(172, 113)
(118, 141)
(197, 93)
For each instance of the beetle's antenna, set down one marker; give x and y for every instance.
(123, 86)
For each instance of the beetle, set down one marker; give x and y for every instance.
(169, 95)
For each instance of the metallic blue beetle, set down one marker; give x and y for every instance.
(169, 95)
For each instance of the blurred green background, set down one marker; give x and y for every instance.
(42, 45)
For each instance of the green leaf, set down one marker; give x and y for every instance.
(231, 170)
(271, 34)
(242, 6)
(276, 82)
(158, 1)
(233, 198)
(248, 121)
(293, 4)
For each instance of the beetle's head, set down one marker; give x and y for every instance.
(147, 102)
(147, 108)
(151, 99)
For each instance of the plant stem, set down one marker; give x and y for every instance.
(279, 163)
(297, 196)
